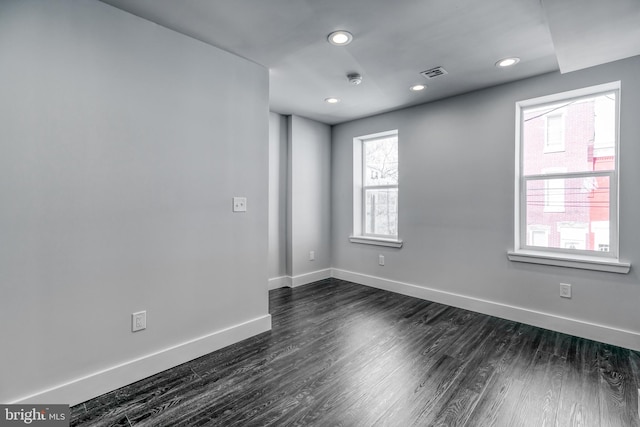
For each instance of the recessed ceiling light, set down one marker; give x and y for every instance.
(332, 100)
(417, 88)
(507, 62)
(340, 38)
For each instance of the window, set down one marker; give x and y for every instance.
(554, 132)
(538, 234)
(567, 179)
(376, 189)
(380, 186)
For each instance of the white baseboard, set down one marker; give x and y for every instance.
(280, 282)
(299, 280)
(579, 328)
(114, 377)
(314, 276)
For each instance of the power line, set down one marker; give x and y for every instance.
(550, 111)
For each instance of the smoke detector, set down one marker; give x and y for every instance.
(355, 79)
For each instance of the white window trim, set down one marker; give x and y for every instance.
(377, 241)
(358, 235)
(574, 261)
(608, 261)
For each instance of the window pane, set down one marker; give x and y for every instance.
(381, 212)
(554, 195)
(381, 161)
(575, 211)
(578, 135)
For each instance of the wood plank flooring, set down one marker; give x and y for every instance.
(342, 354)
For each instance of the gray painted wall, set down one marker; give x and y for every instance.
(277, 195)
(457, 199)
(309, 200)
(121, 146)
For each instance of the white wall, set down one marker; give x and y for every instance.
(121, 146)
(277, 196)
(309, 201)
(456, 211)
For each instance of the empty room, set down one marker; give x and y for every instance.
(319, 213)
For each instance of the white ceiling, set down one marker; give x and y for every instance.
(394, 41)
(593, 32)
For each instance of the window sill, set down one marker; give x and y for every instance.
(377, 241)
(576, 261)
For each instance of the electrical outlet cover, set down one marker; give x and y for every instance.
(239, 204)
(138, 321)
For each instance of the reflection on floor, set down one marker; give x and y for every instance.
(350, 355)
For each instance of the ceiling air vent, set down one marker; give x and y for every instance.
(434, 72)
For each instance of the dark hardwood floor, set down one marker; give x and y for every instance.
(342, 354)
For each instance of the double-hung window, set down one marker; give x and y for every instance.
(376, 189)
(567, 179)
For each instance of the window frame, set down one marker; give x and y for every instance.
(591, 260)
(359, 234)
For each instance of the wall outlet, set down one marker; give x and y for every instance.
(312, 255)
(565, 290)
(139, 321)
(239, 204)
(380, 259)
